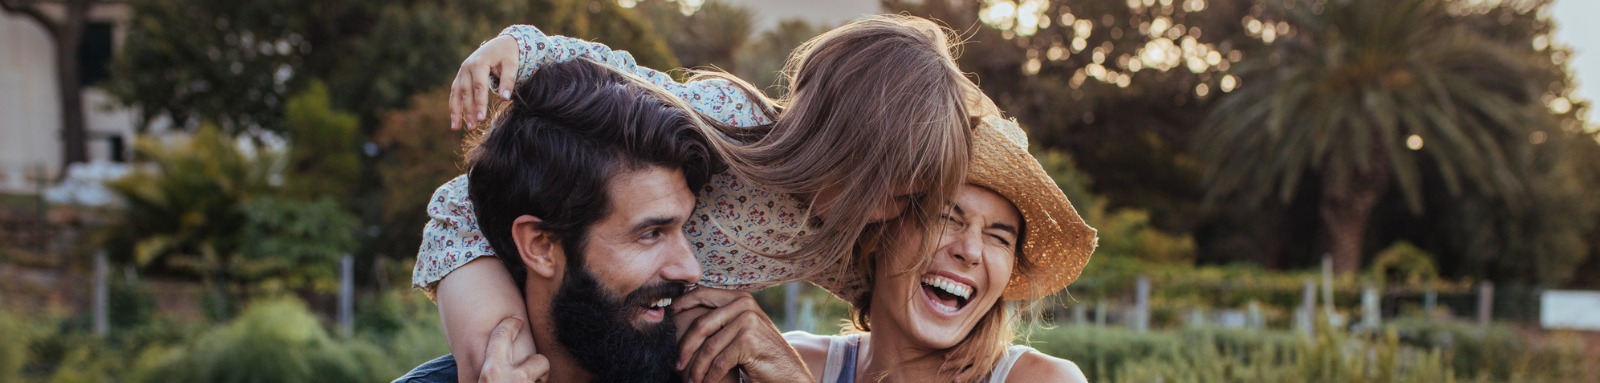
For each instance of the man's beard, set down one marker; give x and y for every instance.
(597, 329)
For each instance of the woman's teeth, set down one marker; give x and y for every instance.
(948, 286)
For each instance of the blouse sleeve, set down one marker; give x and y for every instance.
(450, 238)
(718, 99)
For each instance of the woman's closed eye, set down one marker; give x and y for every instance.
(951, 220)
(999, 239)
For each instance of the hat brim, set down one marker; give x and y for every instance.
(1057, 243)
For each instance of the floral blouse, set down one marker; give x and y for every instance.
(734, 223)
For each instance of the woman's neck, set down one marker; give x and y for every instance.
(890, 355)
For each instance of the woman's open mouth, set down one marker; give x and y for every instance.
(946, 295)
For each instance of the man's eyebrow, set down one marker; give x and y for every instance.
(654, 221)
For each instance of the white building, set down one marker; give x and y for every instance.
(30, 107)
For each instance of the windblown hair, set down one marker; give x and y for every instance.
(873, 106)
(564, 136)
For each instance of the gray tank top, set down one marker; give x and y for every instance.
(844, 351)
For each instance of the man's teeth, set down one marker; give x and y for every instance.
(664, 302)
(949, 286)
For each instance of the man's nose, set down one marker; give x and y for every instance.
(681, 264)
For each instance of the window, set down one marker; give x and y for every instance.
(94, 54)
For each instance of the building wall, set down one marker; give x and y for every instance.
(30, 107)
(30, 113)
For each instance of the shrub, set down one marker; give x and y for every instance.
(273, 341)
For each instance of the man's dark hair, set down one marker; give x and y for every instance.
(565, 134)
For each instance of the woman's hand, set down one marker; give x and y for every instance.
(469, 93)
(498, 365)
(734, 333)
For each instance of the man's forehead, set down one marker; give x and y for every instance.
(646, 195)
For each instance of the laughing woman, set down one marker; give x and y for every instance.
(1009, 238)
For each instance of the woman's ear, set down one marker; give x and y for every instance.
(537, 248)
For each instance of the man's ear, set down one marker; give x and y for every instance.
(537, 248)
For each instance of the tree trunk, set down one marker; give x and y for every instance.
(74, 135)
(1346, 204)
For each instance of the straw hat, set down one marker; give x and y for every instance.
(1055, 239)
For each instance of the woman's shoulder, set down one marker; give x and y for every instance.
(813, 349)
(1035, 366)
(808, 344)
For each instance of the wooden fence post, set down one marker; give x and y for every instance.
(102, 295)
(1485, 303)
(347, 296)
(1141, 319)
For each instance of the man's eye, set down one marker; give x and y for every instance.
(652, 234)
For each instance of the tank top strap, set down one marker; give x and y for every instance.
(1003, 370)
(841, 365)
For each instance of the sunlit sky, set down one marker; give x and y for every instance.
(1577, 28)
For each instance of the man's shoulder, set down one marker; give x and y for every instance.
(438, 370)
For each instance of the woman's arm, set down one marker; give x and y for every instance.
(523, 49)
(473, 300)
(457, 268)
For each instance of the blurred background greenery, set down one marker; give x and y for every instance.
(1223, 148)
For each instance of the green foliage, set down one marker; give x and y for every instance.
(271, 342)
(761, 61)
(1404, 260)
(198, 60)
(710, 36)
(14, 352)
(186, 204)
(1543, 243)
(292, 244)
(604, 22)
(208, 207)
(1419, 351)
(418, 157)
(1129, 233)
(220, 61)
(1341, 103)
(324, 156)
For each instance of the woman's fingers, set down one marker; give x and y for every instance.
(455, 101)
(497, 363)
(497, 366)
(506, 69)
(699, 331)
(707, 297)
(715, 354)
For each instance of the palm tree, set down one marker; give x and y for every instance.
(1358, 94)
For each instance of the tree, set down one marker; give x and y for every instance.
(198, 60)
(709, 36)
(419, 157)
(1361, 95)
(67, 34)
(1120, 87)
(208, 209)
